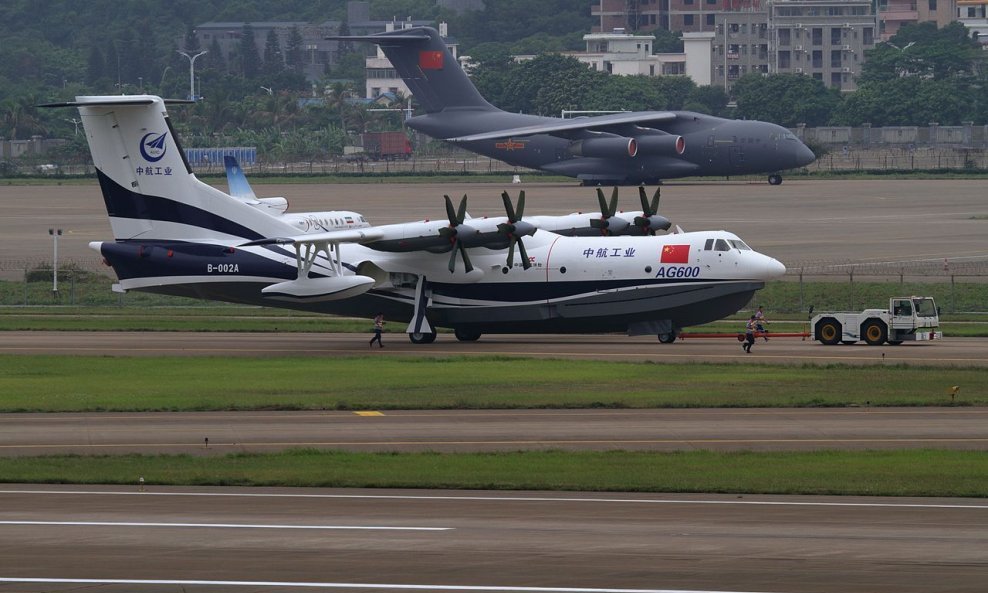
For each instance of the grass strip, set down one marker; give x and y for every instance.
(48, 383)
(869, 473)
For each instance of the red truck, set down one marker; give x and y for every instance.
(388, 146)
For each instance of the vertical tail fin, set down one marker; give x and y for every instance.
(430, 70)
(147, 183)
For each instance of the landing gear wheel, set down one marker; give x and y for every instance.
(422, 337)
(775, 179)
(466, 335)
(829, 331)
(667, 338)
(874, 332)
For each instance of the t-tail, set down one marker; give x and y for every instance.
(150, 192)
(428, 67)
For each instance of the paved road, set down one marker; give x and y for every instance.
(495, 430)
(948, 352)
(344, 540)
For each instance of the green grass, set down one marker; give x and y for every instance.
(93, 383)
(872, 473)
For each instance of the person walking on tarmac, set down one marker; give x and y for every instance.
(378, 328)
(749, 334)
(760, 322)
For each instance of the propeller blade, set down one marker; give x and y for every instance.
(655, 201)
(511, 251)
(450, 213)
(467, 266)
(524, 255)
(641, 196)
(508, 208)
(521, 204)
(462, 212)
(452, 257)
(614, 195)
(602, 202)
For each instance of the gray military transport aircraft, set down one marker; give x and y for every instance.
(617, 149)
(577, 273)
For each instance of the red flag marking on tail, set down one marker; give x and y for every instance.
(431, 60)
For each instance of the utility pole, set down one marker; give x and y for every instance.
(192, 71)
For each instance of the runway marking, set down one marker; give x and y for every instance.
(504, 499)
(520, 443)
(310, 585)
(225, 525)
(369, 413)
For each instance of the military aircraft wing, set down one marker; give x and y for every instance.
(553, 126)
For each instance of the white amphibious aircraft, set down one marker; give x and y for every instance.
(579, 273)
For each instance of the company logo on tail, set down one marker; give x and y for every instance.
(153, 150)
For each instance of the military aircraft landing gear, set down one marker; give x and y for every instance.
(422, 337)
(668, 338)
(775, 179)
(466, 335)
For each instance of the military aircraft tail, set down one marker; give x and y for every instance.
(429, 68)
(147, 183)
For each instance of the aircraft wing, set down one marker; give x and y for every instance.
(366, 235)
(599, 123)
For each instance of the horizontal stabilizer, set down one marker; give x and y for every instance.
(115, 100)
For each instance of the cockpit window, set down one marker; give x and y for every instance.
(740, 245)
(709, 245)
(925, 307)
(721, 245)
(787, 135)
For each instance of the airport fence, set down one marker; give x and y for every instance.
(959, 286)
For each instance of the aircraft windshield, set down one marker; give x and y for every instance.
(739, 244)
(925, 307)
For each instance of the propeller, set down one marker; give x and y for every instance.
(516, 228)
(649, 222)
(456, 232)
(608, 223)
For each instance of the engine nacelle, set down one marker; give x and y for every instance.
(661, 144)
(608, 148)
(311, 290)
(275, 206)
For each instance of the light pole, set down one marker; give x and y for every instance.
(192, 71)
(55, 234)
(268, 89)
(76, 123)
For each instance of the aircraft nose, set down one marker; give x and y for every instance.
(770, 268)
(804, 156)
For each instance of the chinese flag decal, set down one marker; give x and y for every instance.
(675, 254)
(431, 60)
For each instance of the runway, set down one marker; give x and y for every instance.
(279, 540)
(948, 352)
(800, 222)
(220, 433)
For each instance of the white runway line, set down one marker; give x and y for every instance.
(223, 525)
(403, 587)
(890, 505)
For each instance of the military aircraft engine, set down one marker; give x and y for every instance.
(607, 147)
(661, 144)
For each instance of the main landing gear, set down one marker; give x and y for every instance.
(775, 179)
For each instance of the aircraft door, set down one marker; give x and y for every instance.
(735, 155)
